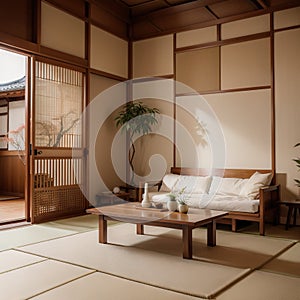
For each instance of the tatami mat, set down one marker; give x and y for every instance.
(147, 266)
(78, 224)
(11, 259)
(102, 286)
(31, 280)
(287, 263)
(264, 286)
(233, 249)
(29, 234)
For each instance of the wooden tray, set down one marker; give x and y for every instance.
(151, 208)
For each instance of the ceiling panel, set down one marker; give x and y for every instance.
(148, 7)
(157, 17)
(135, 2)
(232, 7)
(183, 18)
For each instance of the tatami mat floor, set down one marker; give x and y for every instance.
(63, 260)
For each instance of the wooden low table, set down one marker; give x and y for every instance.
(129, 213)
(293, 206)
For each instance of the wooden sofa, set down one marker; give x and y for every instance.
(268, 196)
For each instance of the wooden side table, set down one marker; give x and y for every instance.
(293, 207)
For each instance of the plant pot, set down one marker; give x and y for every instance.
(183, 208)
(172, 205)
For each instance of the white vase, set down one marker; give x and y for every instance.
(183, 208)
(172, 205)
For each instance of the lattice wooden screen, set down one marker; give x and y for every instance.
(57, 175)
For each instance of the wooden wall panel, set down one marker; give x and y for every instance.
(17, 18)
(108, 21)
(61, 31)
(76, 7)
(12, 174)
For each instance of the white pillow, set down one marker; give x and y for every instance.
(168, 182)
(228, 186)
(255, 182)
(193, 184)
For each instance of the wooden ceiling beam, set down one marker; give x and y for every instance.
(259, 4)
(211, 12)
(290, 4)
(118, 9)
(263, 4)
(177, 9)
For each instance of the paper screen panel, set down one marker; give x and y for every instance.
(58, 106)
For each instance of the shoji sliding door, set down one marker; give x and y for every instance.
(56, 173)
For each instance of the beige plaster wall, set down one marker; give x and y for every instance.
(108, 52)
(245, 64)
(193, 147)
(287, 17)
(245, 118)
(158, 145)
(196, 36)
(199, 69)
(245, 27)
(156, 149)
(287, 79)
(106, 133)
(60, 30)
(153, 57)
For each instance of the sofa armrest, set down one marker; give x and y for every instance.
(151, 184)
(269, 198)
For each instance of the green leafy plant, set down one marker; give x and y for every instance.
(180, 196)
(136, 118)
(297, 160)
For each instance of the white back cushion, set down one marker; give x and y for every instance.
(193, 184)
(168, 182)
(227, 186)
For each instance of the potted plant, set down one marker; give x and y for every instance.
(136, 118)
(172, 203)
(181, 199)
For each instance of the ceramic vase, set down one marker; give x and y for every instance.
(172, 205)
(183, 208)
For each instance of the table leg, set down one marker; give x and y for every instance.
(139, 228)
(295, 216)
(288, 218)
(187, 241)
(211, 233)
(102, 230)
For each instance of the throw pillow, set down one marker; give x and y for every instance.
(255, 182)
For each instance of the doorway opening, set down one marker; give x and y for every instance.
(12, 137)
